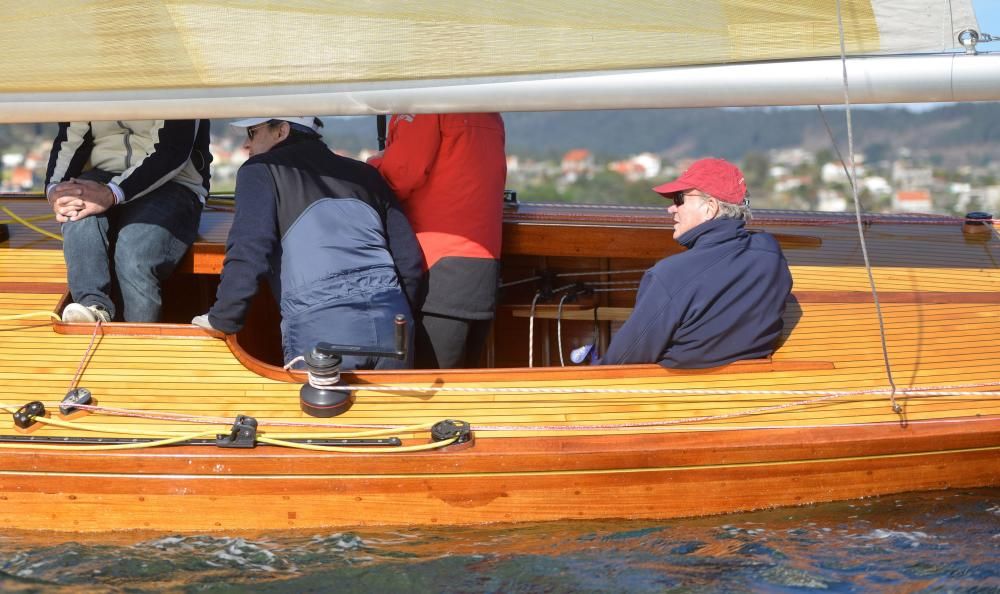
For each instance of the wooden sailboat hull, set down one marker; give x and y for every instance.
(813, 423)
(505, 480)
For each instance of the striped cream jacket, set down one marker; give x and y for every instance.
(142, 154)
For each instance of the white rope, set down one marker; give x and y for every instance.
(559, 343)
(665, 391)
(857, 213)
(531, 330)
(819, 396)
(317, 382)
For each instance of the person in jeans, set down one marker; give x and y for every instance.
(129, 195)
(330, 239)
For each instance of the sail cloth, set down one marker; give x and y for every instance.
(57, 51)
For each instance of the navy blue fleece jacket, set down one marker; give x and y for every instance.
(305, 218)
(718, 302)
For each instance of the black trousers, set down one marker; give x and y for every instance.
(444, 342)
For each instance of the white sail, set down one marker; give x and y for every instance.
(77, 59)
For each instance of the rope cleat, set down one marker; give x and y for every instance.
(242, 435)
(73, 398)
(25, 416)
(449, 429)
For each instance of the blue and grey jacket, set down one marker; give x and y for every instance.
(718, 302)
(141, 155)
(328, 235)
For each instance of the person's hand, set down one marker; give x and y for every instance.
(65, 191)
(80, 199)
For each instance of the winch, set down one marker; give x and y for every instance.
(323, 395)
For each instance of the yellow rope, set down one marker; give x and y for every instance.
(356, 450)
(29, 225)
(355, 434)
(103, 428)
(172, 438)
(43, 217)
(34, 314)
(115, 429)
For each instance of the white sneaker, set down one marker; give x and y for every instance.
(87, 314)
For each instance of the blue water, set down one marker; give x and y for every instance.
(930, 542)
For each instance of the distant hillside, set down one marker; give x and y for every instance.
(953, 135)
(957, 134)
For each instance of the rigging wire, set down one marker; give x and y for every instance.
(852, 176)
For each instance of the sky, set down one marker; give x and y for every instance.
(988, 13)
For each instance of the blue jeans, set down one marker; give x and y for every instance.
(125, 253)
(349, 313)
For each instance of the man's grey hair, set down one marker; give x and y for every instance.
(728, 210)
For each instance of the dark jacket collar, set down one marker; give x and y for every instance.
(714, 232)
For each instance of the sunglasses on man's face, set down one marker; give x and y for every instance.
(253, 130)
(679, 197)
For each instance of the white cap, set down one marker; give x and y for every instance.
(307, 122)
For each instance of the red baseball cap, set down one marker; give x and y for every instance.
(716, 177)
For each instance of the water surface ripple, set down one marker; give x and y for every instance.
(930, 542)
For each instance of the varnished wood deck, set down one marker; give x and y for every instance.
(550, 443)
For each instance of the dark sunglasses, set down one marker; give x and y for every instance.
(678, 198)
(253, 129)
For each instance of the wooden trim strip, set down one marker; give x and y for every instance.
(612, 452)
(34, 287)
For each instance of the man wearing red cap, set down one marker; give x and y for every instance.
(721, 300)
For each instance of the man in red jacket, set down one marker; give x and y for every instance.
(449, 172)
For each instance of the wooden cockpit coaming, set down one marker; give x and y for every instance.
(610, 245)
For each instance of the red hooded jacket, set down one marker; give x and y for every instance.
(449, 172)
